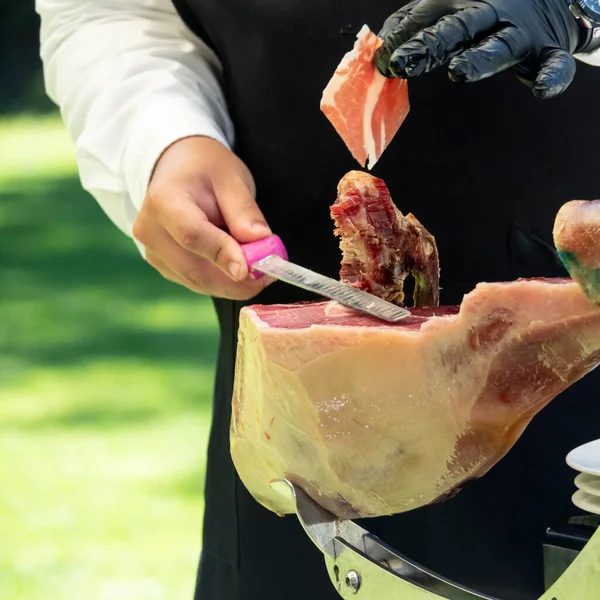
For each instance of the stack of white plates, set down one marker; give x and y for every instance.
(586, 460)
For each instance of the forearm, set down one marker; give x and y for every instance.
(130, 80)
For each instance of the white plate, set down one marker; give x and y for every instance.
(586, 502)
(590, 484)
(586, 458)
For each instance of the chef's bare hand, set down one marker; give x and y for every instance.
(480, 38)
(200, 203)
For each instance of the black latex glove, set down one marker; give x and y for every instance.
(480, 38)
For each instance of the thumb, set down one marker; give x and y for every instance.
(239, 209)
(555, 75)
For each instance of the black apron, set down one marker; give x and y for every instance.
(485, 167)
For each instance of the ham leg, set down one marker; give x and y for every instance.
(374, 419)
(577, 239)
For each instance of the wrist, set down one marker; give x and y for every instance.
(157, 124)
(587, 17)
(185, 145)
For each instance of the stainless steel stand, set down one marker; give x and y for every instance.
(363, 567)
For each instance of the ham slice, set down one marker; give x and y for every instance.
(576, 237)
(374, 419)
(364, 107)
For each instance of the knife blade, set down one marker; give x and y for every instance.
(269, 257)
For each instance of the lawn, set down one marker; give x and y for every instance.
(105, 389)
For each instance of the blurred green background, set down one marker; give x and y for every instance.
(106, 375)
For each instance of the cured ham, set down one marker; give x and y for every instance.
(364, 107)
(374, 419)
(381, 246)
(577, 239)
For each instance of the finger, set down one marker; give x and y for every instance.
(154, 261)
(397, 29)
(555, 75)
(495, 54)
(434, 46)
(421, 15)
(393, 21)
(407, 22)
(199, 274)
(241, 213)
(187, 224)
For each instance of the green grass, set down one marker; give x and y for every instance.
(105, 388)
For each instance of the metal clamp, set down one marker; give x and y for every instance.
(363, 567)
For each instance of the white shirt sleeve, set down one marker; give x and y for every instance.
(130, 79)
(591, 58)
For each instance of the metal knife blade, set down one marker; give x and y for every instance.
(283, 270)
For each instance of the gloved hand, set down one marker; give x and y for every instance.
(480, 38)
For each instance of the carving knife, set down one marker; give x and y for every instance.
(269, 257)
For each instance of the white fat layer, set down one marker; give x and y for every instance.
(589, 217)
(382, 136)
(258, 322)
(339, 77)
(373, 94)
(333, 87)
(335, 309)
(364, 30)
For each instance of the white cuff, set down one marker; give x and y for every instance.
(590, 58)
(158, 124)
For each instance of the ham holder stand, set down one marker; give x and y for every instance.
(363, 567)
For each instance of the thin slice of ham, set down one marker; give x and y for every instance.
(373, 419)
(364, 107)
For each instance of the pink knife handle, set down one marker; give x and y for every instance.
(255, 251)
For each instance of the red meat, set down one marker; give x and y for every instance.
(365, 108)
